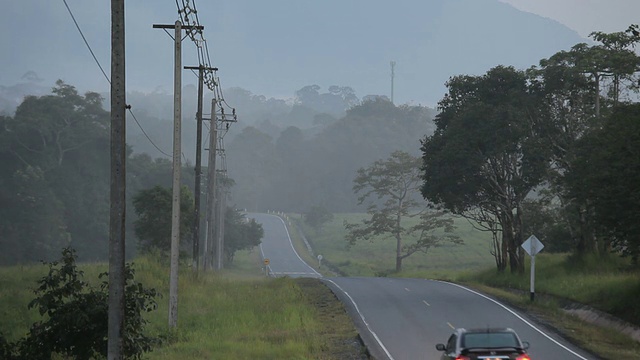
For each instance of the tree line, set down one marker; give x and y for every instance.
(553, 150)
(559, 141)
(54, 185)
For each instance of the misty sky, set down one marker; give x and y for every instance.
(41, 37)
(585, 16)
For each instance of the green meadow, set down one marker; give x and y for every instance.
(377, 257)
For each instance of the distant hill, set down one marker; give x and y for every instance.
(286, 44)
(274, 48)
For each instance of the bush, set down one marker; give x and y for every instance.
(6, 348)
(77, 316)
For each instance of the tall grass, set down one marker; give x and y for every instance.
(236, 314)
(610, 284)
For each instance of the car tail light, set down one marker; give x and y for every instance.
(463, 358)
(523, 357)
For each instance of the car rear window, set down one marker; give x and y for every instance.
(494, 339)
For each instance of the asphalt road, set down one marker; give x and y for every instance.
(405, 318)
(277, 247)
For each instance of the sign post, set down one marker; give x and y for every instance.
(266, 266)
(532, 246)
(319, 260)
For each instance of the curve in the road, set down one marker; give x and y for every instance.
(284, 260)
(404, 318)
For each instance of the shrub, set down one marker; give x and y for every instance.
(76, 322)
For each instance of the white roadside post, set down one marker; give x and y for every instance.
(532, 246)
(266, 266)
(319, 260)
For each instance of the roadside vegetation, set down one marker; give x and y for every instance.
(219, 314)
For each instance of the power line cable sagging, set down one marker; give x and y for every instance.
(107, 77)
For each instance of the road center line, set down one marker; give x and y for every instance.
(426, 303)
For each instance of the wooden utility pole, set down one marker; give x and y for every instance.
(211, 186)
(117, 211)
(177, 167)
(198, 167)
(198, 170)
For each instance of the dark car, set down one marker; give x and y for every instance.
(485, 344)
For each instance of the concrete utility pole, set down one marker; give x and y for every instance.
(117, 211)
(393, 74)
(177, 151)
(211, 197)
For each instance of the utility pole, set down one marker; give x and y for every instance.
(211, 186)
(177, 151)
(117, 211)
(198, 167)
(198, 170)
(222, 215)
(393, 74)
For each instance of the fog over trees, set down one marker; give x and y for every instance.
(508, 146)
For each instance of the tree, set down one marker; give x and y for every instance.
(612, 191)
(317, 216)
(485, 156)
(240, 233)
(577, 99)
(153, 226)
(567, 111)
(55, 158)
(47, 128)
(396, 181)
(76, 316)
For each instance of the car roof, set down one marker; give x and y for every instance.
(485, 330)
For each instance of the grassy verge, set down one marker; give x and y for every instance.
(237, 314)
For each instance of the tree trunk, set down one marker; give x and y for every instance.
(398, 252)
(398, 238)
(586, 240)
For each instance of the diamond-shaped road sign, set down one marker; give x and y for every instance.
(532, 245)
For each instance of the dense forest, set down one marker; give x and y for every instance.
(553, 147)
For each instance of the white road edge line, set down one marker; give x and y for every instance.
(516, 315)
(294, 249)
(363, 319)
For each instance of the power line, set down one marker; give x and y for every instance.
(147, 136)
(107, 77)
(86, 42)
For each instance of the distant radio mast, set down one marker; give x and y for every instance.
(393, 74)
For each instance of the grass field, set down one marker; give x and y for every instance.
(378, 257)
(237, 314)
